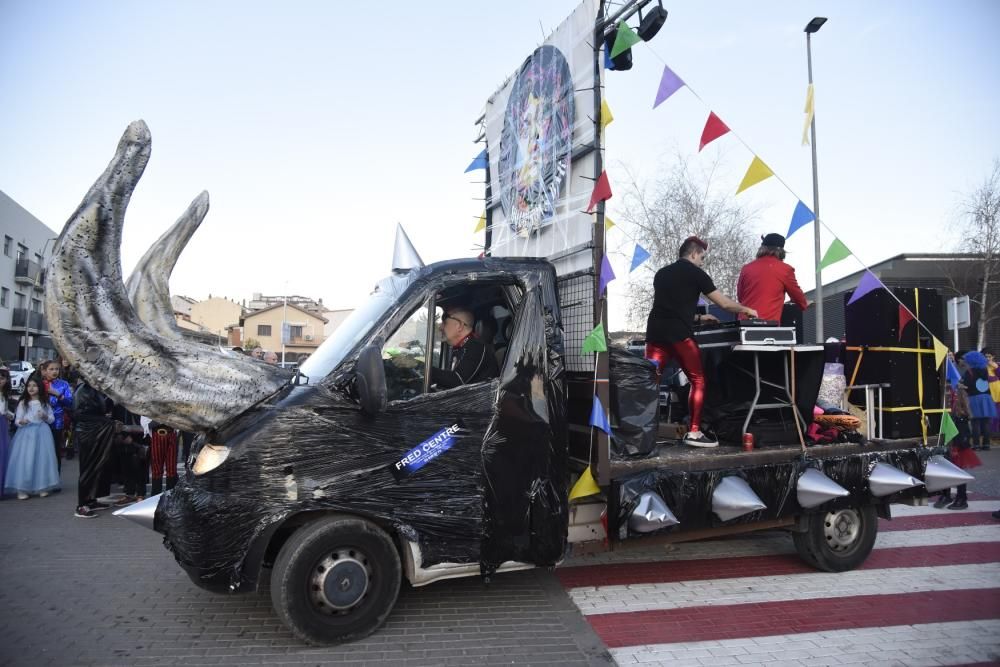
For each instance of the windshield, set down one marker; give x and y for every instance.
(357, 325)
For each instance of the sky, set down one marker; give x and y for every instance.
(317, 126)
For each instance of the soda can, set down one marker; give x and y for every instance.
(748, 442)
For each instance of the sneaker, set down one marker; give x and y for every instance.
(700, 439)
(125, 500)
(97, 506)
(43, 494)
(22, 496)
(942, 501)
(959, 505)
(996, 515)
(84, 512)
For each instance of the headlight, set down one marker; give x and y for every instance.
(209, 458)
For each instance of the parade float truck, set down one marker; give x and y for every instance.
(354, 474)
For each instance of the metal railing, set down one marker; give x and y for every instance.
(27, 272)
(28, 319)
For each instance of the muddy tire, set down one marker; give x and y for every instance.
(336, 579)
(838, 540)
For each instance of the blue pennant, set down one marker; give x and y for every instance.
(801, 217)
(478, 163)
(638, 257)
(598, 418)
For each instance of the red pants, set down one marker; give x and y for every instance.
(688, 355)
(163, 453)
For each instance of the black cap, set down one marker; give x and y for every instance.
(775, 240)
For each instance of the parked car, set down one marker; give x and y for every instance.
(19, 373)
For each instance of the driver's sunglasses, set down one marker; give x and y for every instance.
(452, 317)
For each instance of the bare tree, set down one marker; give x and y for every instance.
(980, 235)
(675, 205)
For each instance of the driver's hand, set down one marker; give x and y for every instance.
(708, 318)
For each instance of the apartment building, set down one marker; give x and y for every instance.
(303, 330)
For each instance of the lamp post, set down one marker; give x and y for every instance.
(812, 27)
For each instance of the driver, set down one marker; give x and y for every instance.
(472, 360)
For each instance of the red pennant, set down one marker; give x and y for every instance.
(714, 128)
(602, 191)
(905, 317)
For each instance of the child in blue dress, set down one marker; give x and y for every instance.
(4, 424)
(31, 468)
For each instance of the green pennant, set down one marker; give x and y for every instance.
(624, 40)
(595, 340)
(836, 252)
(948, 428)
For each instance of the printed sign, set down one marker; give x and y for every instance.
(425, 452)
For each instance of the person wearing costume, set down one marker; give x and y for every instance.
(5, 416)
(994, 377)
(472, 360)
(32, 465)
(94, 436)
(763, 283)
(60, 397)
(981, 405)
(669, 328)
(162, 457)
(961, 453)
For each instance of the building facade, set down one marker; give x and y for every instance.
(27, 246)
(304, 330)
(216, 314)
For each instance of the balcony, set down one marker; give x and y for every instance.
(30, 319)
(27, 272)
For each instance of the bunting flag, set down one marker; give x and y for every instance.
(670, 83)
(608, 223)
(702, 301)
(607, 274)
(478, 163)
(948, 428)
(638, 257)
(714, 128)
(595, 340)
(835, 253)
(598, 417)
(954, 377)
(624, 40)
(606, 115)
(481, 225)
(905, 317)
(602, 191)
(810, 111)
(756, 172)
(940, 353)
(868, 283)
(585, 486)
(801, 216)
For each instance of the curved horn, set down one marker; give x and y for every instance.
(148, 287)
(184, 384)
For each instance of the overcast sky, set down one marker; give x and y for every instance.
(316, 126)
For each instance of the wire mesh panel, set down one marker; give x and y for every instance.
(576, 303)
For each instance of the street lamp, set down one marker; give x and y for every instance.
(811, 27)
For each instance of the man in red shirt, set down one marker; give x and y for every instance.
(764, 282)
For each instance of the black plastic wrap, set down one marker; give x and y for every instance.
(498, 493)
(634, 404)
(689, 494)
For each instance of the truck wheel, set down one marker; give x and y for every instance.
(838, 540)
(335, 579)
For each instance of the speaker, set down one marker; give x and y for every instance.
(874, 318)
(651, 23)
(791, 316)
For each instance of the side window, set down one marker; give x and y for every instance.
(403, 356)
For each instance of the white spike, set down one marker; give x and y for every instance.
(651, 513)
(884, 480)
(942, 474)
(142, 512)
(733, 497)
(814, 488)
(404, 255)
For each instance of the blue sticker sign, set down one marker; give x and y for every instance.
(425, 452)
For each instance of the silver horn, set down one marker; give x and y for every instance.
(148, 287)
(183, 384)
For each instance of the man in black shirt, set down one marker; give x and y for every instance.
(472, 359)
(669, 329)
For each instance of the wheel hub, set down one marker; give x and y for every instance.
(842, 529)
(340, 581)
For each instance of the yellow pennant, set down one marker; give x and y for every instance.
(482, 223)
(608, 223)
(810, 110)
(757, 172)
(940, 352)
(606, 116)
(585, 486)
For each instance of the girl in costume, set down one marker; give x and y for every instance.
(4, 424)
(981, 405)
(32, 465)
(994, 378)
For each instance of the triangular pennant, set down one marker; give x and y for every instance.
(670, 83)
(606, 115)
(638, 257)
(608, 223)
(481, 225)
(954, 377)
(810, 111)
(756, 172)
(940, 353)
(607, 274)
(602, 191)
(948, 428)
(598, 417)
(868, 283)
(905, 317)
(479, 162)
(801, 216)
(835, 253)
(585, 486)
(595, 340)
(701, 301)
(624, 40)
(714, 128)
